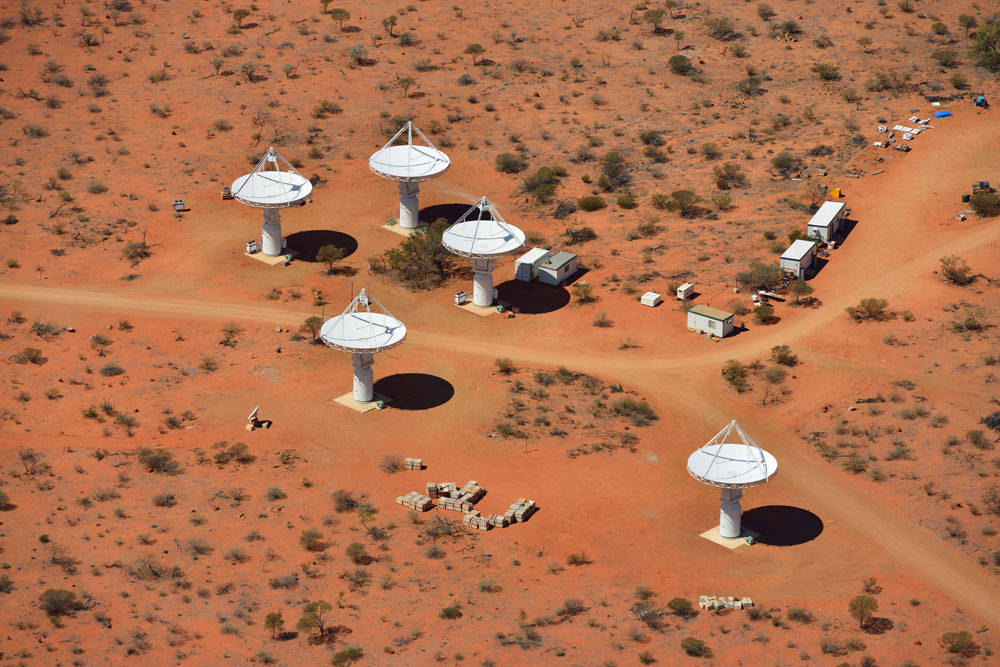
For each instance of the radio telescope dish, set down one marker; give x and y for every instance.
(732, 461)
(482, 234)
(363, 331)
(409, 164)
(272, 185)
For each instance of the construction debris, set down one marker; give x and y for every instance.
(415, 500)
(450, 497)
(413, 464)
(712, 602)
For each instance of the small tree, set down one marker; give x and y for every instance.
(763, 313)
(326, 4)
(389, 23)
(785, 163)
(313, 621)
(799, 288)
(312, 325)
(330, 254)
(967, 22)
(987, 46)
(984, 202)
(274, 622)
(735, 374)
(862, 607)
(238, 16)
(406, 82)
(475, 49)
(760, 276)
(340, 15)
(680, 607)
(217, 63)
(653, 17)
(249, 68)
(959, 642)
(505, 366)
(347, 656)
(358, 54)
(765, 11)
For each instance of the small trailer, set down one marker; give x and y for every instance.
(651, 299)
(526, 266)
(685, 291)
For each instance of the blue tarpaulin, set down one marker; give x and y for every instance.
(942, 114)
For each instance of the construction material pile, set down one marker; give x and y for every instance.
(450, 497)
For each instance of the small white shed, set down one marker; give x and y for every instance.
(705, 319)
(799, 257)
(685, 291)
(526, 266)
(827, 221)
(556, 268)
(651, 299)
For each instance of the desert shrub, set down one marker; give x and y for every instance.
(735, 374)
(344, 501)
(505, 366)
(284, 581)
(636, 410)
(785, 163)
(578, 558)
(826, 72)
(312, 540)
(591, 203)
(870, 309)
(30, 355)
(855, 464)
(960, 643)
(650, 614)
(577, 235)
(680, 64)
(6, 584)
(721, 28)
(164, 500)
(35, 131)
(542, 183)
(800, 615)
(991, 500)
(685, 202)
(986, 48)
(136, 251)
(158, 460)
(510, 163)
(782, 354)
(357, 554)
(614, 171)
(946, 57)
(450, 612)
(695, 647)
(391, 463)
(326, 108)
(347, 656)
(57, 602)
(764, 313)
(111, 369)
(831, 646)
(274, 493)
(626, 201)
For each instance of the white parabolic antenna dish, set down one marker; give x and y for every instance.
(482, 232)
(270, 185)
(409, 162)
(732, 460)
(362, 329)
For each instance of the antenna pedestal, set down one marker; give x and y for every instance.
(731, 513)
(363, 387)
(482, 281)
(408, 206)
(270, 233)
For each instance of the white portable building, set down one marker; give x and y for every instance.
(705, 319)
(799, 257)
(827, 221)
(526, 266)
(557, 267)
(685, 291)
(651, 299)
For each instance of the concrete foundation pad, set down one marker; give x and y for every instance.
(275, 260)
(394, 227)
(729, 542)
(347, 400)
(482, 311)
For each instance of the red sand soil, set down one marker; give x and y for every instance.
(636, 515)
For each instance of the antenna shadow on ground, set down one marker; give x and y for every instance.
(782, 525)
(450, 212)
(414, 391)
(308, 243)
(532, 298)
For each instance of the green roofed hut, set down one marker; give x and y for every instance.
(705, 319)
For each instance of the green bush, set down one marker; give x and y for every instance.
(510, 163)
(158, 461)
(453, 611)
(591, 203)
(695, 647)
(680, 64)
